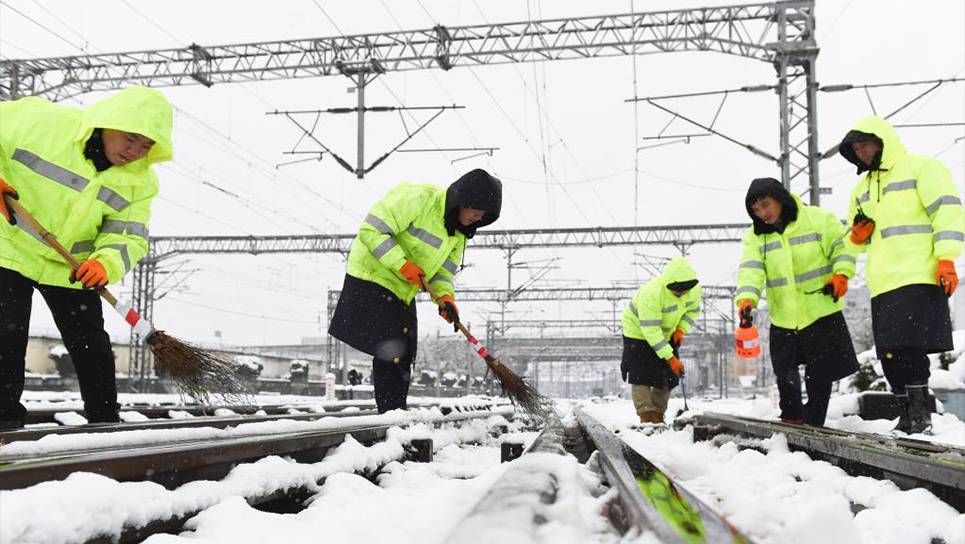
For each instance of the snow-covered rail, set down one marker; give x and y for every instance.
(218, 422)
(649, 498)
(907, 462)
(641, 498)
(183, 455)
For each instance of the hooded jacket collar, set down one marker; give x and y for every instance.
(873, 128)
(475, 189)
(140, 110)
(762, 187)
(678, 270)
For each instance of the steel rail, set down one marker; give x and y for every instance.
(907, 462)
(175, 463)
(650, 498)
(217, 422)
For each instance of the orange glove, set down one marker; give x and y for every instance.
(449, 311)
(7, 190)
(677, 337)
(837, 286)
(746, 318)
(675, 365)
(946, 276)
(411, 272)
(861, 230)
(91, 273)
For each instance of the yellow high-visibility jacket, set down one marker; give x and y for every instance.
(409, 223)
(654, 312)
(95, 215)
(794, 266)
(917, 211)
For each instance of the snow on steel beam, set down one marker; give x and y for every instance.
(749, 31)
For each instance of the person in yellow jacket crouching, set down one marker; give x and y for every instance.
(655, 321)
(906, 213)
(798, 254)
(416, 233)
(87, 176)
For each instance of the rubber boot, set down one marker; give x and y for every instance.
(904, 419)
(918, 411)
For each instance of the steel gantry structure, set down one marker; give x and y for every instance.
(778, 33)
(509, 241)
(680, 236)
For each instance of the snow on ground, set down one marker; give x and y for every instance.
(784, 497)
(416, 502)
(85, 505)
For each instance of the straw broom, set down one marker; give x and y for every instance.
(519, 391)
(195, 372)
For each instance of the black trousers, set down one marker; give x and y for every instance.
(391, 377)
(904, 366)
(80, 320)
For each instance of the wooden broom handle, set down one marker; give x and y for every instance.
(51, 240)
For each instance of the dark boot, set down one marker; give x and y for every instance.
(918, 410)
(904, 420)
(10, 424)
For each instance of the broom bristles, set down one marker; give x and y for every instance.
(519, 391)
(196, 372)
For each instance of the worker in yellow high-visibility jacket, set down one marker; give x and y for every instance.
(416, 233)
(797, 253)
(906, 213)
(87, 176)
(655, 321)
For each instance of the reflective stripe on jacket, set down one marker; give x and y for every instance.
(654, 312)
(917, 211)
(794, 265)
(95, 215)
(409, 223)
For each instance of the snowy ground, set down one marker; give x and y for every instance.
(776, 498)
(784, 497)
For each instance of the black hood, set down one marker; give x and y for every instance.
(475, 189)
(857, 136)
(94, 150)
(762, 187)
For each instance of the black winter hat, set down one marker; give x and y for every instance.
(683, 285)
(475, 189)
(857, 136)
(762, 187)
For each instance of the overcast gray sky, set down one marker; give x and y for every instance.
(570, 114)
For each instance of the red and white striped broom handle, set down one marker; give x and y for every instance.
(480, 349)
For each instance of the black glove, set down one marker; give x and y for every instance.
(746, 318)
(449, 312)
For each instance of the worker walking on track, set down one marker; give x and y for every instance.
(416, 233)
(797, 253)
(906, 213)
(87, 176)
(655, 321)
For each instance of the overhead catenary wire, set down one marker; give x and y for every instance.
(43, 26)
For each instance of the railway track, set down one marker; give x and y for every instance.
(180, 461)
(642, 498)
(907, 462)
